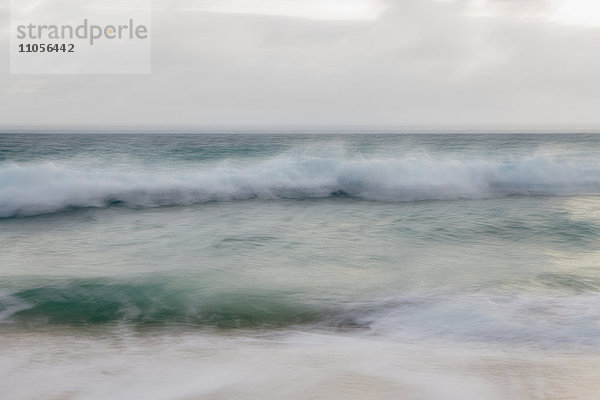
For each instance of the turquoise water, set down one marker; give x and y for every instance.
(347, 266)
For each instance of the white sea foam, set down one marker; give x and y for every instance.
(30, 189)
(123, 365)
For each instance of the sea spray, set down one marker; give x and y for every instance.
(35, 188)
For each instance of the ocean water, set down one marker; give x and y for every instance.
(299, 266)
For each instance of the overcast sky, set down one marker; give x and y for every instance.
(337, 62)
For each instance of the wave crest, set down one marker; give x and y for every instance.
(33, 189)
(539, 318)
(97, 301)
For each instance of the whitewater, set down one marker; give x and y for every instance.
(348, 266)
(36, 188)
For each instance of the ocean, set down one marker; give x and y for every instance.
(300, 266)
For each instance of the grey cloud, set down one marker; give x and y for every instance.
(422, 62)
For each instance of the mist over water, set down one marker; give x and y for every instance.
(346, 266)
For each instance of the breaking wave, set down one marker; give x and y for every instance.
(521, 317)
(98, 301)
(37, 188)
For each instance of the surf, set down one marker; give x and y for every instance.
(28, 189)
